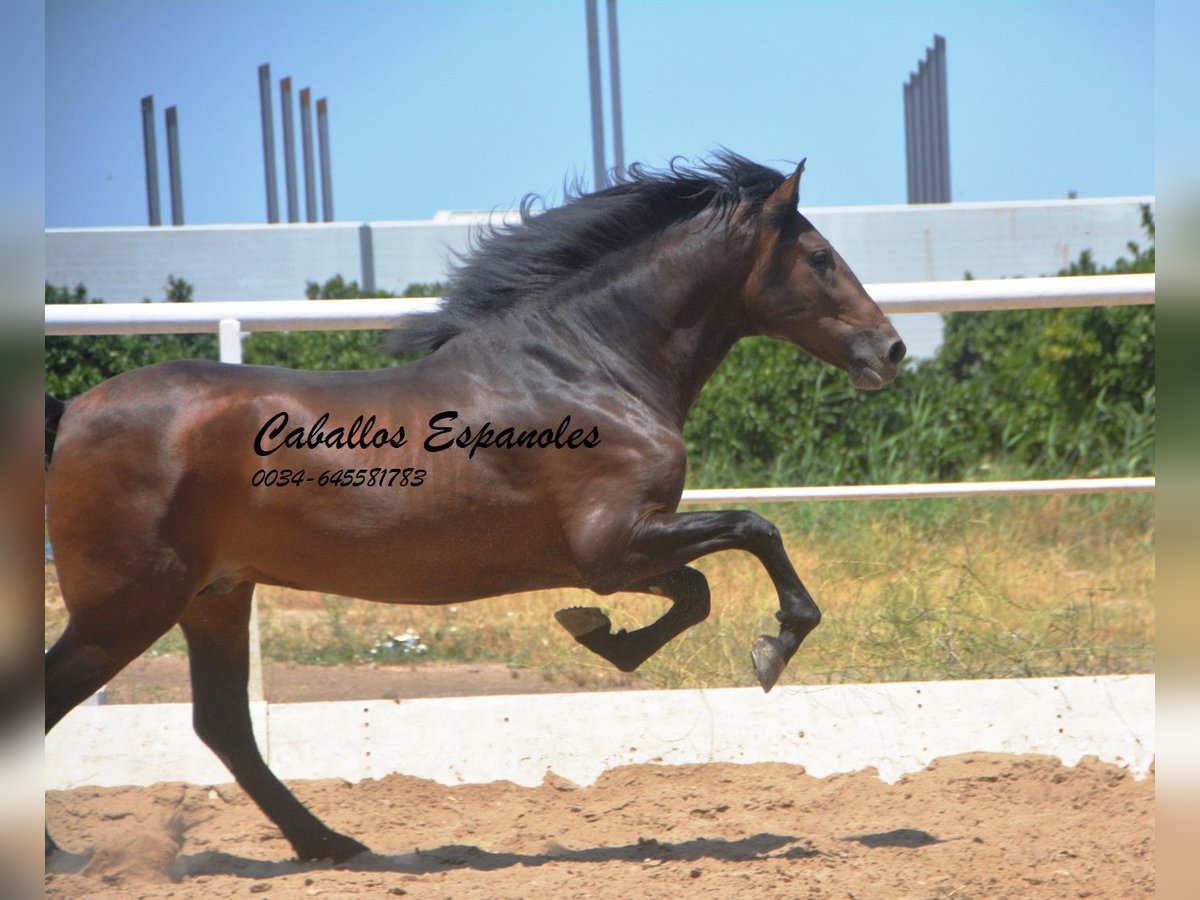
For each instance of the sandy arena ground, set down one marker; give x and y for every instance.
(968, 827)
(977, 826)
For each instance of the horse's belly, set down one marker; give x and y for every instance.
(452, 556)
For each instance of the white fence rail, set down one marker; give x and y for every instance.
(324, 315)
(921, 491)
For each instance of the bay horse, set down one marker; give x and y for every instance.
(539, 445)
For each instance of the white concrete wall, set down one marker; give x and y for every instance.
(897, 728)
(234, 262)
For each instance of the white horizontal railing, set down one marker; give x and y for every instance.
(922, 491)
(251, 315)
(321, 315)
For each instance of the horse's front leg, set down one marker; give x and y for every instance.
(666, 542)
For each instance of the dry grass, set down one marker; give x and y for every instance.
(936, 589)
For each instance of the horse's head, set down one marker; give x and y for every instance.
(801, 290)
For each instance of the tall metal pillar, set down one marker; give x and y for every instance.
(323, 147)
(289, 149)
(306, 139)
(173, 166)
(268, 133)
(910, 156)
(150, 151)
(941, 117)
(614, 81)
(593, 46)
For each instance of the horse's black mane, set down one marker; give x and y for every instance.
(530, 260)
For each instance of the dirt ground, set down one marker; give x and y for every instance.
(975, 826)
(969, 826)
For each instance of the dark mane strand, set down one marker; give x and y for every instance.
(530, 261)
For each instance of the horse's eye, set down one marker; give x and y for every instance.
(820, 258)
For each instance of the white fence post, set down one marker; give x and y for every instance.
(229, 336)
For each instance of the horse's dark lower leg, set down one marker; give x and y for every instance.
(676, 539)
(217, 632)
(686, 587)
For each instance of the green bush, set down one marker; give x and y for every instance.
(1039, 393)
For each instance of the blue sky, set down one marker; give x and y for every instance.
(471, 105)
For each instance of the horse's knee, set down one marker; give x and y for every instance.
(755, 529)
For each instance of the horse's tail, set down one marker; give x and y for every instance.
(54, 413)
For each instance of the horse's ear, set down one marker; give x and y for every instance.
(783, 201)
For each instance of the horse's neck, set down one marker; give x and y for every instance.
(662, 332)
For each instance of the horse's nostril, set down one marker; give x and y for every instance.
(897, 351)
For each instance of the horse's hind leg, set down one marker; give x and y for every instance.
(101, 638)
(686, 587)
(217, 630)
(98, 642)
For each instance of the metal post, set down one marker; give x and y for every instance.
(919, 131)
(150, 151)
(173, 166)
(289, 149)
(306, 140)
(593, 48)
(268, 133)
(323, 147)
(931, 125)
(909, 151)
(935, 131)
(366, 254)
(926, 137)
(614, 76)
(942, 117)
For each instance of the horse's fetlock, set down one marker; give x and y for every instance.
(801, 621)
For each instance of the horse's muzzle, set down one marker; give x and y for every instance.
(872, 371)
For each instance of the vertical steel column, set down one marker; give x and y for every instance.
(941, 117)
(323, 148)
(306, 139)
(268, 132)
(366, 255)
(289, 149)
(930, 136)
(614, 80)
(593, 47)
(919, 88)
(173, 166)
(909, 151)
(150, 151)
(935, 131)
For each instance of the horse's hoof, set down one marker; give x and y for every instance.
(581, 620)
(768, 658)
